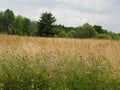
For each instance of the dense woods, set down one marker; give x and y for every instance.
(46, 27)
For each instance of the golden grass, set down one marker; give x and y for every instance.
(76, 48)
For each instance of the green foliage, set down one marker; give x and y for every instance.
(71, 33)
(19, 25)
(95, 73)
(86, 31)
(62, 34)
(89, 30)
(9, 19)
(104, 36)
(119, 34)
(24, 26)
(33, 28)
(114, 36)
(1, 21)
(18, 74)
(46, 25)
(98, 29)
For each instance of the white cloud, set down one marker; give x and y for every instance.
(93, 4)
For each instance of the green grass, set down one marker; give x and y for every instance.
(60, 72)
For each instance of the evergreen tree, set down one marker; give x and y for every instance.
(46, 25)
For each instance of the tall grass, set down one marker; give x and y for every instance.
(28, 63)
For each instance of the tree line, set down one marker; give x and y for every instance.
(46, 27)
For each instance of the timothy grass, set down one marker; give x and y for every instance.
(31, 63)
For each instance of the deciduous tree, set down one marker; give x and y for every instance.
(9, 19)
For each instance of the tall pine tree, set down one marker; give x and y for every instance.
(46, 25)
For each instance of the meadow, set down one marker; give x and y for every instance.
(38, 63)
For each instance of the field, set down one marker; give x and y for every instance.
(32, 63)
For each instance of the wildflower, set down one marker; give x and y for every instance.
(98, 67)
(32, 80)
(30, 66)
(87, 72)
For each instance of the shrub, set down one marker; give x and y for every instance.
(104, 36)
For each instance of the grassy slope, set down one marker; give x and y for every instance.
(29, 63)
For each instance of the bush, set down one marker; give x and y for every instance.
(86, 31)
(62, 34)
(104, 36)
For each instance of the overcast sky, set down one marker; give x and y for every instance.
(70, 12)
